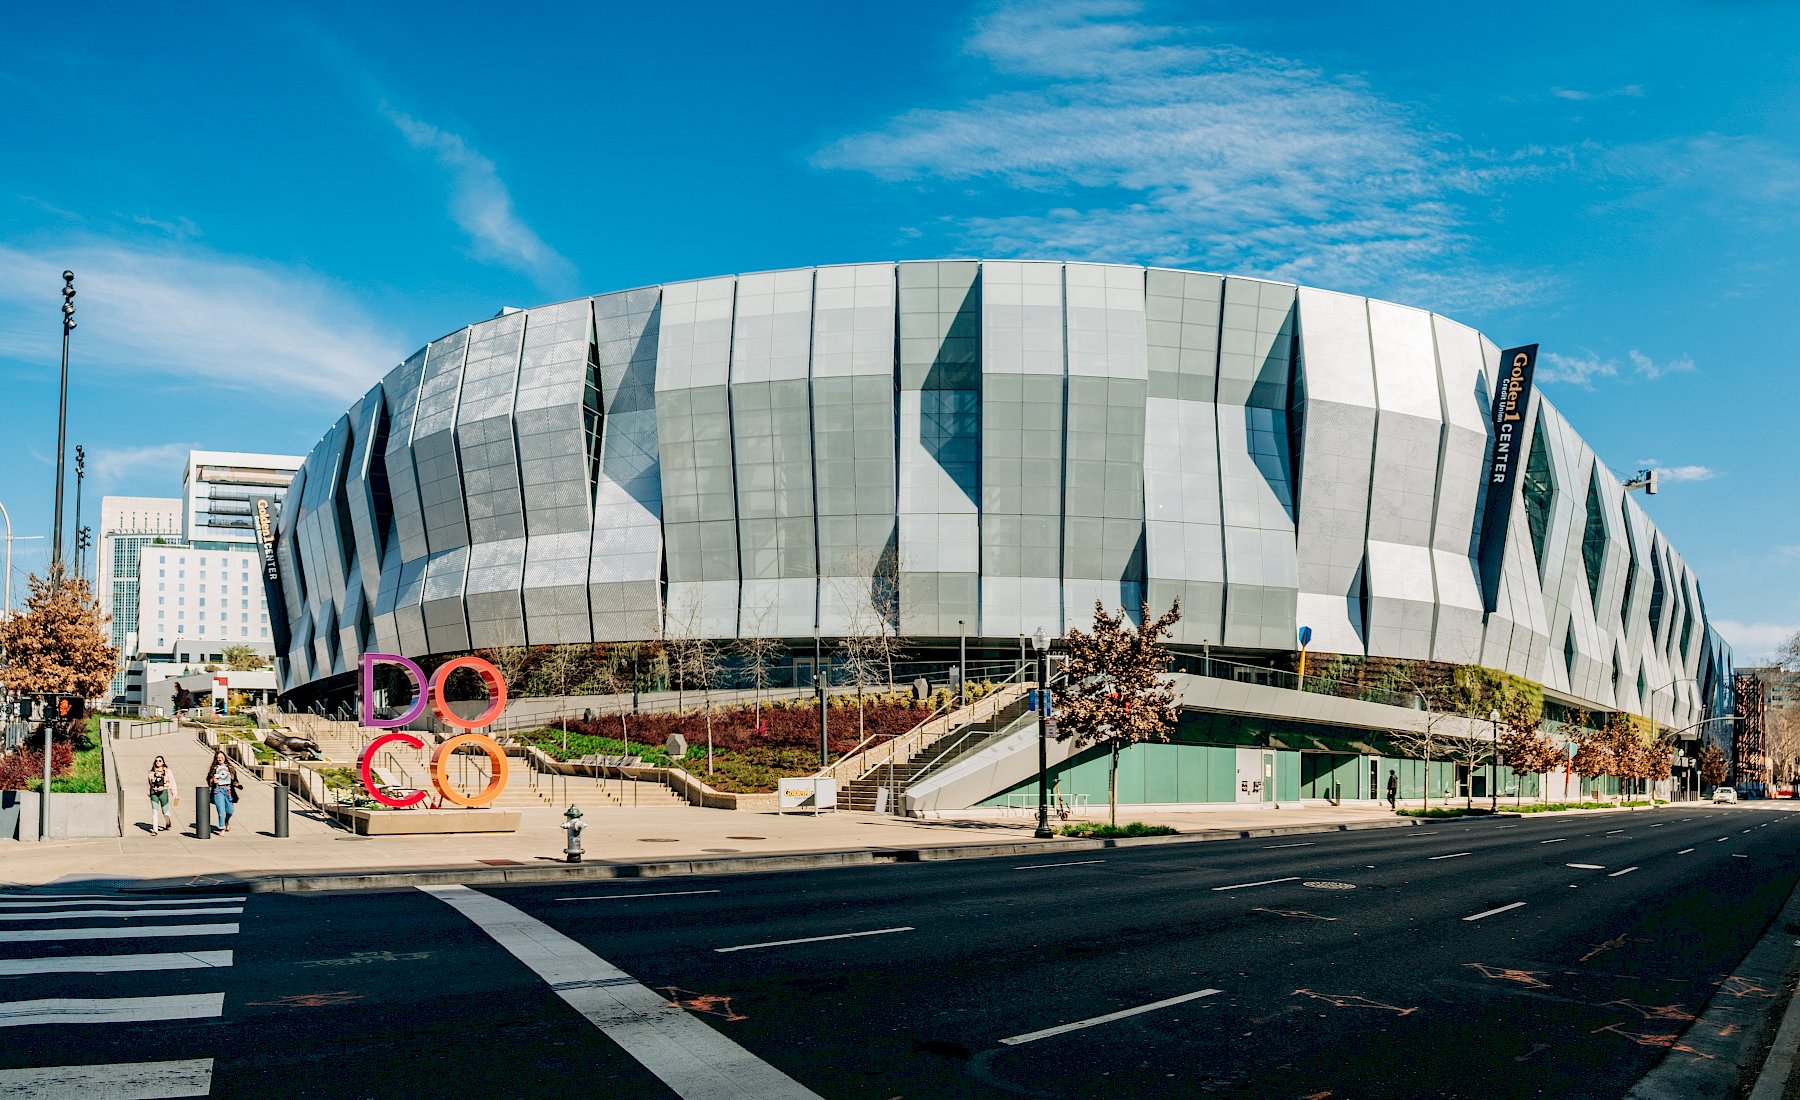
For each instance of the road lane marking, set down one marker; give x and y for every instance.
(1497, 828)
(1587, 866)
(39, 903)
(1722, 840)
(1491, 912)
(1063, 1029)
(111, 1010)
(1684, 851)
(1558, 840)
(1659, 824)
(48, 935)
(691, 1058)
(1264, 882)
(1626, 871)
(813, 939)
(1746, 830)
(1302, 844)
(85, 913)
(117, 1081)
(662, 894)
(1042, 866)
(112, 964)
(1453, 855)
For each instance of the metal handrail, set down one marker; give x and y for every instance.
(958, 749)
(915, 738)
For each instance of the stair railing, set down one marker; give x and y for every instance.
(865, 759)
(971, 740)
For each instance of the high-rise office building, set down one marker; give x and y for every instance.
(127, 524)
(219, 490)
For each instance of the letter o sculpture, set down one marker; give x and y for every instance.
(440, 763)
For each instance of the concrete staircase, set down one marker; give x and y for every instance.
(897, 773)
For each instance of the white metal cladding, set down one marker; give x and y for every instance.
(947, 446)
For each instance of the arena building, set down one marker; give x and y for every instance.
(983, 448)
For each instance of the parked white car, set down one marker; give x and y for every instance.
(1725, 794)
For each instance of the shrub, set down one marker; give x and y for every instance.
(1100, 829)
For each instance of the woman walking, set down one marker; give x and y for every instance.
(224, 788)
(159, 796)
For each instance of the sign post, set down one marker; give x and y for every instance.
(1305, 640)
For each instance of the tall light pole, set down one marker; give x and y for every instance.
(1042, 645)
(62, 415)
(1493, 760)
(80, 476)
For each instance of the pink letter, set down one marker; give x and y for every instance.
(369, 661)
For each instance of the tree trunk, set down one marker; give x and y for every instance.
(709, 745)
(1427, 783)
(1112, 787)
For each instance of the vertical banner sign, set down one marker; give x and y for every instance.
(264, 510)
(1512, 396)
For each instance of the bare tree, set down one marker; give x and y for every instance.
(564, 665)
(760, 655)
(1431, 739)
(1117, 689)
(509, 661)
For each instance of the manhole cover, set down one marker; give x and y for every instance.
(721, 849)
(746, 838)
(1329, 885)
(659, 840)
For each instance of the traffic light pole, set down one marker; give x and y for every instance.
(62, 422)
(44, 793)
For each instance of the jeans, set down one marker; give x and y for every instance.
(221, 800)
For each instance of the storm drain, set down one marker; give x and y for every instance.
(1322, 885)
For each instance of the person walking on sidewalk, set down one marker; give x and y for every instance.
(159, 796)
(224, 787)
(1393, 790)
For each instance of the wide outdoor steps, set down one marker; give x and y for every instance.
(862, 793)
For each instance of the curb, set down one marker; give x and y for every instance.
(551, 872)
(1771, 1083)
(1714, 1067)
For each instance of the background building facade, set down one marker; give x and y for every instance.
(930, 448)
(127, 525)
(218, 489)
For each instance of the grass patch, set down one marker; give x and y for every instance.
(1101, 830)
(225, 720)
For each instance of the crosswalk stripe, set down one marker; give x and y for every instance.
(164, 913)
(110, 1010)
(117, 1081)
(113, 964)
(49, 935)
(691, 1058)
(42, 903)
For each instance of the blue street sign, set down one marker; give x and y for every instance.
(1305, 636)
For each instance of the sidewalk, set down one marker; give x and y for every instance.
(613, 835)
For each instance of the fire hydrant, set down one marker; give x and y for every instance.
(573, 824)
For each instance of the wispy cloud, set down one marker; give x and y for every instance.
(1751, 642)
(481, 205)
(158, 463)
(195, 316)
(1628, 91)
(1153, 143)
(1575, 370)
(1652, 370)
(1584, 369)
(1679, 473)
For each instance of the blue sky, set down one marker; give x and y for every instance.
(267, 206)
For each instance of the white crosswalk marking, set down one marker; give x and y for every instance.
(110, 1010)
(84, 980)
(117, 1081)
(113, 964)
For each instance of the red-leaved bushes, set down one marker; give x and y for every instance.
(22, 765)
(784, 727)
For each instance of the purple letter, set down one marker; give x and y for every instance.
(369, 661)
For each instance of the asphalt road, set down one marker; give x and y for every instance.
(1554, 957)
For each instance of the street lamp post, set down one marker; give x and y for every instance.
(80, 476)
(1493, 761)
(1042, 645)
(62, 413)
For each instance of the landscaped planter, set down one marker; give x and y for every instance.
(417, 822)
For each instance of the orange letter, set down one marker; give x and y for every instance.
(440, 762)
(496, 686)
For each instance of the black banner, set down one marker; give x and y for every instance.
(1512, 396)
(263, 509)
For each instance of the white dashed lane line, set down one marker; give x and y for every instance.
(1491, 912)
(1452, 855)
(1558, 840)
(1684, 851)
(1264, 882)
(1062, 1029)
(1626, 871)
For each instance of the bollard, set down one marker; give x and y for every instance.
(202, 813)
(281, 809)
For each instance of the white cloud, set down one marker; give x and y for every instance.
(1652, 370)
(1752, 642)
(481, 205)
(1628, 91)
(1575, 370)
(1679, 473)
(1160, 144)
(193, 315)
(162, 462)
